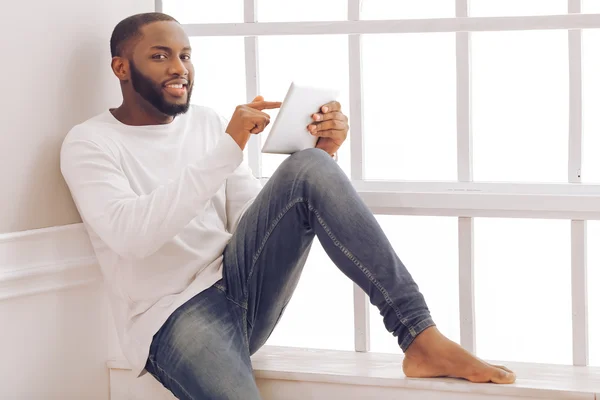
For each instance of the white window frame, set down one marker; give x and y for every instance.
(464, 198)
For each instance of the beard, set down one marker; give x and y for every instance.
(153, 93)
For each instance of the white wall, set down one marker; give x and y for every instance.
(53, 346)
(54, 319)
(55, 73)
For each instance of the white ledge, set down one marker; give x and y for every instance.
(44, 260)
(385, 370)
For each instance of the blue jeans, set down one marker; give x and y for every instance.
(203, 350)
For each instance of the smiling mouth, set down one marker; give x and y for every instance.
(176, 89)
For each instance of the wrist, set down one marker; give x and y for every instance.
(240, 141)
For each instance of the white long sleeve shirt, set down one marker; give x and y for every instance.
(159, 203)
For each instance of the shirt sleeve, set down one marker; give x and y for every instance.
(241, 189)
(132, 225)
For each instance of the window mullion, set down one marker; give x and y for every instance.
(466, 265)
(578, 227)
(252, 84)
(361, 302)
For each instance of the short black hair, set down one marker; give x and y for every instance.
(130, 28)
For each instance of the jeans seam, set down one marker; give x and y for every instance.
(416, 330)
(222, 289)
(263, 243)
(257, 255)
(245, 327)
(155, 364)
(356, 262)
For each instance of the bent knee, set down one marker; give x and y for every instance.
(310, 155)
(308, 164)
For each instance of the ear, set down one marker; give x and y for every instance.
(120, 67)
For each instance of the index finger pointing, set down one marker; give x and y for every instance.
(263, 105)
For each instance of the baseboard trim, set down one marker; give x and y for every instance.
(44, 260)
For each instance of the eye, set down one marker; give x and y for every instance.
(159, 57)
(186, 57)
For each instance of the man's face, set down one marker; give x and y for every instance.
(161, 69)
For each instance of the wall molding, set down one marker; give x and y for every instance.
(44, 260)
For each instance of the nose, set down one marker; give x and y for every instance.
(177, 67)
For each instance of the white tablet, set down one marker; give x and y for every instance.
(288, 133)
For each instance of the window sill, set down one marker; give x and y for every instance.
(538, 381)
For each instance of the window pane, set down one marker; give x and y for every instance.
(520, 106)
(593, 262)
(523, 290)
(487, 8)
(320, 314)
(205, 12)
(410, 106)
(220, 81)
(591, 103)
(407, 9)
(305, 10)
(590, 6)
(428, 246)
(284, 59)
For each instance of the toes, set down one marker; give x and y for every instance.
(502, 375)
(504, 368)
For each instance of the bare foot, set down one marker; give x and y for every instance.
(433, 355)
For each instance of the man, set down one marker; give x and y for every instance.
(199, 260)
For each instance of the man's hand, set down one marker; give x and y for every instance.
(248, 119)
(331, 126)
